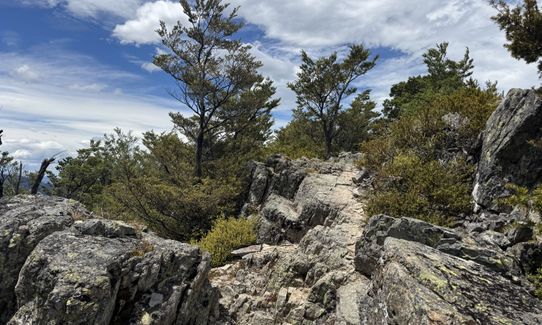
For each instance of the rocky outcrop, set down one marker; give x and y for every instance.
(321, 260)
(304, 271)
(24, 222)
(424, 274)
(295, 196)
(508, 154)
(95, 271)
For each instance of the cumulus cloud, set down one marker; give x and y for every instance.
(142, 28)
(40, 121)
(321, 27)
(403, 25)
(91, 8)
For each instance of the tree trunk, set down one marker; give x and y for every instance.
(328, 138)
(19, 179)
(199, 155)
(44, 165)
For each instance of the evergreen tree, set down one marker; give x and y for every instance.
(444, 76)
(523, 27)
(323, 84)
(213, 73)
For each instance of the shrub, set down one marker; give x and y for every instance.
(429, 191)
(536, 279)
(227, 235)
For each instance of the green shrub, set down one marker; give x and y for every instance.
(429, 191)
(227, 235)
(536, 279)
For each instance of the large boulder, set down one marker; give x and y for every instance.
(508, 154)
(417, 279)
(24, 222)
(60, 266)
(103, 272)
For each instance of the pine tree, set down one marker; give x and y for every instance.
(212, 72)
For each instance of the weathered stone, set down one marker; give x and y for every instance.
(507, 154)
(102, 272)
(417, 284)
(529, 256)
(24, 222)
(521, 232)
(309, 277)
(369, 248)
(247, 250)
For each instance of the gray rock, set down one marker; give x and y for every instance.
(494, 238)
(24, 222)
(529, 256)
(521, 232)
(308, 276)
(417, 284)
(102, 272)
(507, 156)
(247, 250)
(369, 247)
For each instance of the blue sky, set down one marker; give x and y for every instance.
(71, 70)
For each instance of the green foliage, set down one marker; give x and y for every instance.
(84, 177)
(227, 235)
(444, 76)
(302, 137)
(355, 124)
(421, 153)
(323, 84)
(523, 27)
(154, 185)
(217, 77)
(9, 171)
(430, 191)
(524, 198)
(536, 279)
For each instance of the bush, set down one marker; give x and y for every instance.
(428, 191)
(536, 279)
(227, 235)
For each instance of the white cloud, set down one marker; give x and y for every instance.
(21, 154)
(70, 103)
(10, 39)
(142, 28)
(25, 73)
(150, 67)
(46, 120)
(91, 8)
(54, 66)
(321, 27)
(94, 87)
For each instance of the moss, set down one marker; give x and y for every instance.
(434, 280)
(143, 248)
(15, 240)
(446, 270)
(481, 308)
